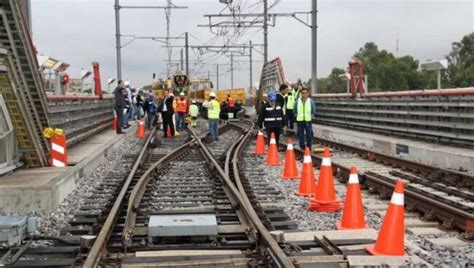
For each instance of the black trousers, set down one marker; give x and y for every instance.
(168, 123)
(276, 130)
(119, 113)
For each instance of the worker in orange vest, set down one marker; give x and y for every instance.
(230, 104)
(182, 109)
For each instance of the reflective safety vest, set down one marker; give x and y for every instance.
(304, 111)
(296, 93)
(273, 114)
(231, 102)
(214, 110)
(193, 110)
(182, 106)
(290, 102)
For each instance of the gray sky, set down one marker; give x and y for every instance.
(81, 31)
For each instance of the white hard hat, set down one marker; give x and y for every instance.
(127, 83)
(171, 94)
(194, 101)
(212, 94)
(181, 94)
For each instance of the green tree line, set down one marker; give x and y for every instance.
(389, 73)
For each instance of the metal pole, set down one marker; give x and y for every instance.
(314, 48)
(265, 31)
(182, 60)
(186, 45)
(250, 59)
(217, 75)
(231, 71)
(439, 78)
(117, 40)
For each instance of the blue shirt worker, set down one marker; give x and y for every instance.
(305, 110)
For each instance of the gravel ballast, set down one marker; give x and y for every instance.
(296, 208)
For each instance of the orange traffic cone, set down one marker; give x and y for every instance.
(325, 196)
(290, 171)
(307, 184)
(353, 213)
(392, 234)
(273, 158)
(114, 123)
(168, 132)
(141, 129)
(260, 146)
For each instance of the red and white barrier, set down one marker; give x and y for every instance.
(58, 151)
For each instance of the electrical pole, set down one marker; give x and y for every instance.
(118, 36)
(265, 31)
(217, 75)
(182, 60)
(231, 71)
(314, 48)
(186, 45)
(250, 62)
(117, 40)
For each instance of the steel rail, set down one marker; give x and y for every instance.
(449, 214)
(139, 189)
(426, 170)
(100, 242)
(279, 256)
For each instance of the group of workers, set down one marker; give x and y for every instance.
(280, 110)
(167, 108)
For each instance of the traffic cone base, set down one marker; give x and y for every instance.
(307, 184)
(273, 158)
(391, 238)
(339, 227)
(324, 206)
(290, 171)
(372, 251)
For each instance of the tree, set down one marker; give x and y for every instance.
(386, 72)
(334, 83)
(461, 63)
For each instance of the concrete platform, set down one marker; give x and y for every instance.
(42, 189)
(429, 153)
